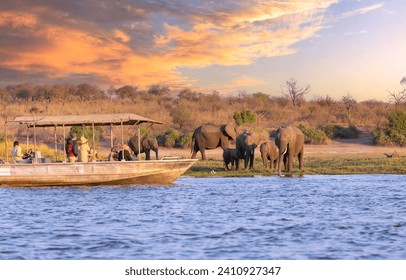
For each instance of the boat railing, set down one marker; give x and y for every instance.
(170, 158)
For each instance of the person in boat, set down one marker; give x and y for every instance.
(93, 155)
(113, 156)
(16, 153)
(72, 150)
(84, 150)
(127, 154)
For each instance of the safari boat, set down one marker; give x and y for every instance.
(46, 173)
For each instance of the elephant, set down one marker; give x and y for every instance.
(290, 141)
(269, 152)
(147, 144)
(207, 137)
(230, 156)
(246, 144)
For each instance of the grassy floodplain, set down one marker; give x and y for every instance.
(313, 165)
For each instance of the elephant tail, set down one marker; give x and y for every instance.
(192, 145)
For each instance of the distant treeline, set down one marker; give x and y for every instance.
(186, 109)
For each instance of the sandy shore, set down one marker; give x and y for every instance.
(361, 147)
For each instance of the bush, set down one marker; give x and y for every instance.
(329, 130)
(185, 141)
(393, 133)
(170, 137)
(313, 136)
(336, 131)
(245, 116)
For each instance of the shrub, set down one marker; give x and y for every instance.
(245, 116)
(313, 136)
(336, 131)
(329, 130)
(394, 132)
(170, 137)
(185, 140)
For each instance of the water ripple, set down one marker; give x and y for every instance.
(309, 217)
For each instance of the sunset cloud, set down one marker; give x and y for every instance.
(141, 43)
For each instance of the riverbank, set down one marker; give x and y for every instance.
(355, 156)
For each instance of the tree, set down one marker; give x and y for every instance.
(349, 103)
(403, 81)
(158, 90)
(188, 94)
(126, 92)
(181, 117)
(293, 92)
(87, 92)
(398, 97)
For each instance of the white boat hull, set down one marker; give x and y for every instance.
(152, 172)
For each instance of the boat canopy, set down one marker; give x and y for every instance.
(71, 120)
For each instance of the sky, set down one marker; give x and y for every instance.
(338, 47)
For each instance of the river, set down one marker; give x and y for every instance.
(310, 217)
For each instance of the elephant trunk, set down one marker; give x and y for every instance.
(283, 148)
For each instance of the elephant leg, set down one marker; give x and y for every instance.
(195, 150)
(279, 163)
(251, 161)
(202, 149)
(246, 160)
(147, 155)
(290, 164)
(237, 164)
(285, 162)
(300, 158)
(156, 153)
(265, 161)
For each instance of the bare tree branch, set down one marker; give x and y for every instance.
(397, 98)
(349, 103)
(294, 93)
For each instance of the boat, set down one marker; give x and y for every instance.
(42, 172)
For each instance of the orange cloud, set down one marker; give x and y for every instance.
(237, 37)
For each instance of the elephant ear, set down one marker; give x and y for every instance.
(230, 131)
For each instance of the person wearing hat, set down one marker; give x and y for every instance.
(72, 148)
(84, 150)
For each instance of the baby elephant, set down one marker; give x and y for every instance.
(230, 156)
(269, 152)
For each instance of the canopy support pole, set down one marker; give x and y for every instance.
(56, 144)
(28, 139)
(139, 142)
(93, 144)
(111, 136)
(122, 141)
(64, 144)
(5, 141)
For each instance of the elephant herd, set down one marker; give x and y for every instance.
(289, 143)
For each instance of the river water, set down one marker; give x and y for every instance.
(310, 217)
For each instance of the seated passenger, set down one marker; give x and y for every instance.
(127, 154)
(113, 156)
(16, 152)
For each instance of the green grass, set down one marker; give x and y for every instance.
(313, 165)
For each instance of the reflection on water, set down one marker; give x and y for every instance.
(308, 217)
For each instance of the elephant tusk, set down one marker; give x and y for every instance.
(285, 151)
